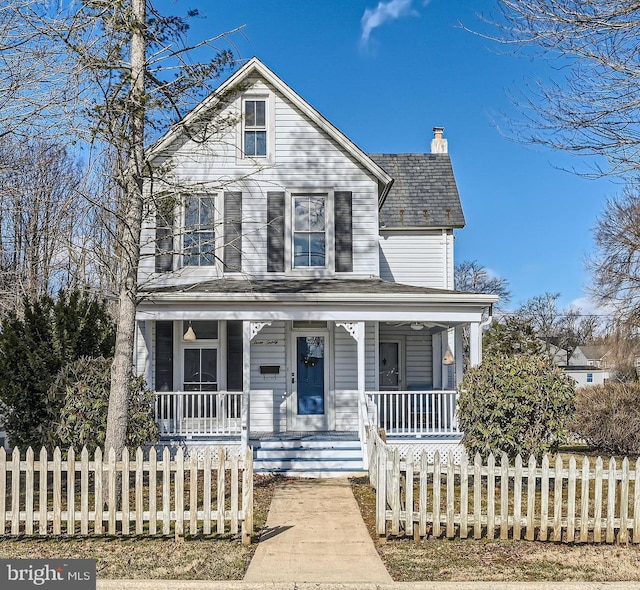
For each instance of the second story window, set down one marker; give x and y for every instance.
(255, 128)
(309, 231)
(198, 235)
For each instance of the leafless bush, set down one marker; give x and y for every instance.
(608, 417)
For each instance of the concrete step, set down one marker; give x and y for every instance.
(304, 444)
(308, 457)
(303, 453)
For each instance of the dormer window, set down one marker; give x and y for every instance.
(255, 128)
(198, 238)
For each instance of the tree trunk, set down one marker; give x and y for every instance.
(131, 220)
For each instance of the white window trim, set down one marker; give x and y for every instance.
(330, 241)
(216, 269)
(180, 346)
(241, 158)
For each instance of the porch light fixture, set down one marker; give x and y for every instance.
(448, 358)
(417, 326)
(189, 335)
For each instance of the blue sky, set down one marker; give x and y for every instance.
(386, 72)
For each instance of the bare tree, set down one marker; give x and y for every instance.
(564, 328)
(133, 76)
(592, 107)
(41, 220)
(472, 277)
(615, 264)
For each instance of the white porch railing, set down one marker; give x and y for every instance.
(198, 413)
(415, 412)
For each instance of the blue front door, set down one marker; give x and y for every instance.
(310, 355)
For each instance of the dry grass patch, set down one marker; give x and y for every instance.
(198, 558)
(494, 560)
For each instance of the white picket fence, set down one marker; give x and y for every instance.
(160, 494)
(559, 502)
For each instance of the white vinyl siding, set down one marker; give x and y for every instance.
(305, 158)
(416, 372)
(346, 378)
(268, 399)
(421, 258)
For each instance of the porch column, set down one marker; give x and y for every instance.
(448, 372)
(361, 357)
(475, 344)
(459, 354)
(436, 348)
(246, 384)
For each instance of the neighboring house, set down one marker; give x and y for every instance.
(299, 290)
(588, 364)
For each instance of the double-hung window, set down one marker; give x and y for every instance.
(309, 231)
(255, 127)
(198, 240)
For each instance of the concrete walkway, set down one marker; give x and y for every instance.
(315, 534)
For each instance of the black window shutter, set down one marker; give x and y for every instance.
(164, 356)
(343, 212)
(164, 240)
(233, 231)
(275, 232)
(234, 355)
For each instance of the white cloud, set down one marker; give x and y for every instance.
(384, 12)
(589, 307)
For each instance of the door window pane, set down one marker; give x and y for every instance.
(200, 369)
(389, 361)
(310, 373)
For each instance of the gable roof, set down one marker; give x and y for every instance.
(593, 352)
(424, 193)
(255, 67)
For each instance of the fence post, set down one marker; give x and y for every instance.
(557, 500)
(221, 491)
(571, 502)
(584, 502)
(477, 496)
(408, 502)
(71, 491)
(597, 516)
(450, 530)
(530, 533)
(636, 503)
(28, 505)
(504, 496)
(247, 496)
(437, 476)
(623, 533)
(422, 505)
(544, 504)
(178, 485)
(57, 491)
(611, 501)
(381, 493)
(464, 496)
(491, 496)
(517, 499)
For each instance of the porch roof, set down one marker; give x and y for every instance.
(327, 299)
(371, 288)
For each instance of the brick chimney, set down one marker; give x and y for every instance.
(439, 143)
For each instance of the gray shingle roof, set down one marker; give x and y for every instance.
(424, 192)
(302, 286)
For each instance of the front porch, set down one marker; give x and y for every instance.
(230, 361)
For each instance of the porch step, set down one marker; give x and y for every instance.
(308, 458)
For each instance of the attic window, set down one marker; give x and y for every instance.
(255, 128)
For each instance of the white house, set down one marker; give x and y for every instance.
(296, 290)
